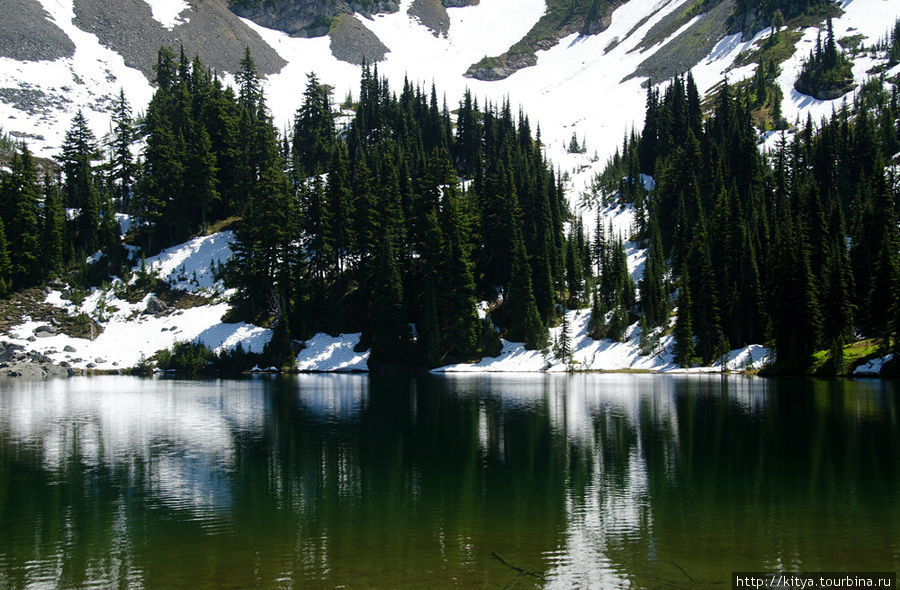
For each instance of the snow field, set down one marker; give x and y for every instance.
(168, 12)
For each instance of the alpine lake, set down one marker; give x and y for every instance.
(475, 481)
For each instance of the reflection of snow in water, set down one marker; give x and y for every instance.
(182, 431)
(614, 509)
(333, 397)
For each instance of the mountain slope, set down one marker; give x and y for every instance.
(575, 90)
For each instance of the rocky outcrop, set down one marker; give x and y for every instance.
(209, 30)
(354, 43)
(307, 18)
(16, 362)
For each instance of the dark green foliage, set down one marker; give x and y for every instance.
(574, 272)
(79, 149)
(314, 132)
(19, 195)
(122, 166)
(521, 310)
(761, 241)
(263, 251)
(184, 357)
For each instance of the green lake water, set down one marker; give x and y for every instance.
(345, 481)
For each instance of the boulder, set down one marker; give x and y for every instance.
(155, 306)
(45, 331)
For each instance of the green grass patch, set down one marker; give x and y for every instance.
(776, 49)
(855, 354)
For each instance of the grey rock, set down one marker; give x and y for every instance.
(99, 360)
(69, 348)
(33, 370)
(155, 306)
(45, 331)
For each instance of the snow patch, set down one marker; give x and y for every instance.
(333, 354)
(189, 266)
(750, 357)
(168, 12)
(874, 366)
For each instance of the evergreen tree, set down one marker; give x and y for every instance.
(564, 351)
(653, 293)
(79, 149)
(314, 133)
(20, 211)
(684, 330)
(391, 335)
(459, 315)
(574, 270)
(89, 217)
(52, 229)
(263, 244)
(5, 265)
(524, 320)
(248, 82)
(337, 212)
(122, 167)
(596, 328)
(201, 180)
